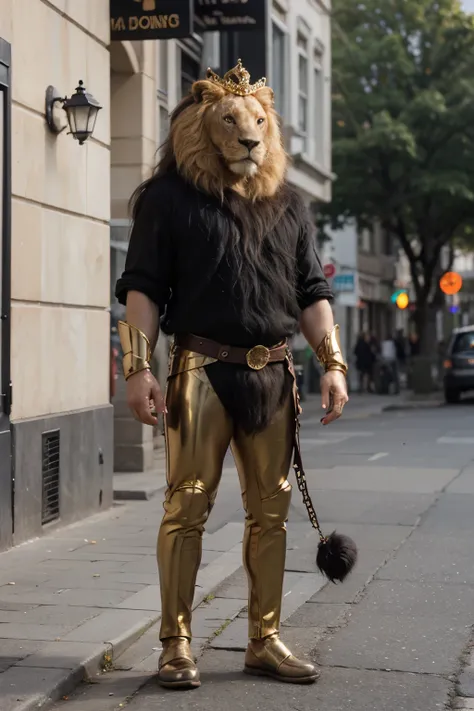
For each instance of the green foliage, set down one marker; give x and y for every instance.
(403, 125)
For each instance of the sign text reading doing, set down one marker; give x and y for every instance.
(150, 19)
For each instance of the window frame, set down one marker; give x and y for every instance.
(277, 23)
(319, 126)
(305, 95)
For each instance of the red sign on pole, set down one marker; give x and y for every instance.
(329, 270)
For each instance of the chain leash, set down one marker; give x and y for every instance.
(298, 461)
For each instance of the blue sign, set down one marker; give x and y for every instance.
(344, 282)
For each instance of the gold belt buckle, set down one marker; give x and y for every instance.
(258, 357)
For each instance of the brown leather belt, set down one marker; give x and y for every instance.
(256, 358)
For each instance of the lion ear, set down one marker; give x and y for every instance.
(206, 91)
(266, 97)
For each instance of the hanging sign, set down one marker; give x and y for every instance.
(450, 283)
(229, 15)
(150, 19)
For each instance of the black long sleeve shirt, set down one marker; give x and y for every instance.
(174, 259)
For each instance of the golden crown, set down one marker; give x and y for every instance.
(241, 87)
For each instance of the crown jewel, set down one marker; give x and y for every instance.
(241, 87)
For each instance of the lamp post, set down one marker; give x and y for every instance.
(81, 110)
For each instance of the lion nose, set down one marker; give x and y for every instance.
(248, 143)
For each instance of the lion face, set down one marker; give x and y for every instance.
(225, 141)
(238, 127)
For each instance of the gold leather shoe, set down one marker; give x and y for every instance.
(177, 668)
(270, 657)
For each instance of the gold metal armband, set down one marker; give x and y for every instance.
(136, 349)
(329, 352)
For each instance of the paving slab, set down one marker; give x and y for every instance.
(451, 516)
(18, 649)
(22, 689)
(317, 614)
(147, 599)
(15, 630)
(109, 625)
(55, 614)
(226, 538)
(404, 626)
(428, 557)
(235, 586)
(210, 617)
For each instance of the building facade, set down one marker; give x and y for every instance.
(56, 419)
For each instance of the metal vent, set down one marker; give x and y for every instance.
(50, 477)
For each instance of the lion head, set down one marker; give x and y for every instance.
(220, 141)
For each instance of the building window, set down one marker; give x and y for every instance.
(367, 240)
(387, 243)
(278, 67)
(163, 67)
(163, 93)
(190, 72)
(303, 86)
(318, 109)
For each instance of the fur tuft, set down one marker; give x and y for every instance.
(336, 557)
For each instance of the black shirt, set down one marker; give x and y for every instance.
(176, 257)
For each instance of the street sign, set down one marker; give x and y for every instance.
(150, 19)
(450, 283)
(329, 270)
(344, 282)
(229, 15)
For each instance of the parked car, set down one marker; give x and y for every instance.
(459, 364)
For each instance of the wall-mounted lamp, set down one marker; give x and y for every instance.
(81, 110)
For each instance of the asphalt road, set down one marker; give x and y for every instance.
(397, 635)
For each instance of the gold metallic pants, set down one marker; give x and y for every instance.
(198, 434)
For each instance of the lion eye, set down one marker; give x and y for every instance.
(260, 121)
(229, 119)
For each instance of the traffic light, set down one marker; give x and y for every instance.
(402, 300)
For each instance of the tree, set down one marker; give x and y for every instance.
(403, 131)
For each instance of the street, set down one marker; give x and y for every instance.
(397, 634)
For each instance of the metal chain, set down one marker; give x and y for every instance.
(299, 471)
(303, 487)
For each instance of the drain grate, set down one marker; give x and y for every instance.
(50, 477)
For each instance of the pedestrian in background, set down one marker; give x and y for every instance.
(364, 362)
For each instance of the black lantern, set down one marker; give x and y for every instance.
(81, 109)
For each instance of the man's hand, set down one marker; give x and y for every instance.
(334, 391)
(144, 396)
